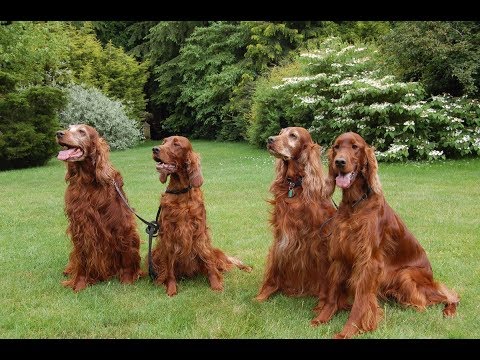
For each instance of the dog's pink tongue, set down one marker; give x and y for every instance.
(67, 154)
(343, 181)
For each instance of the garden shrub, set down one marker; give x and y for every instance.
(108, 68)
(92, 107)
(443, 55)
(28, 124)
(341, 87)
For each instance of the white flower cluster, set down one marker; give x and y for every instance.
(440, 98)
(299, 79)
(310, 99)
(348, 107)
(463, 140)
(358, 61)
(336, 65)
(435, 153)
(344, 121)
(426, 112)
(345, 49)
(362, 90)
(456, 120)
(346, 81)
(395, 148)
(411, 107)
(409, 123)
(312, 56)
(377, 106)
(476, 143)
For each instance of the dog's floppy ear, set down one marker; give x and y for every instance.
(71, 171)
(194, 169)
(330, 179)
(280, 171)
(103, 169)
(313, 182)
(370, 170)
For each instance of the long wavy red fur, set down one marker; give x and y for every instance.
(297, 261)
(184, 247)
(102, 229)
(373, 253)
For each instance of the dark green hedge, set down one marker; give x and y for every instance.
(28, 122)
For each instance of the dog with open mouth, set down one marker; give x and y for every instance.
(102, 229)
(184, 247)
(373, 253)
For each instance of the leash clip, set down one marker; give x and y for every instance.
(152, 228)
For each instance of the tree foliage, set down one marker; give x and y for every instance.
(37, 53)
(28, 123)
(58, 53)
(339, 88)
(210, 82)
(443, 55)
(236, 80)
(109, 69)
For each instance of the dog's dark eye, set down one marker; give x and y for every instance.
(354, 147)
(293, 136)
(336, 147)
(176, 144)
(82, 132)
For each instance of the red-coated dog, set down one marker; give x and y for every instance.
(184, 246)
(102, 229)
(297, 262)
(373, 253)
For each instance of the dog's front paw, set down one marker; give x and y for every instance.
(217, 287)
(68, 269)
(172, 289)
(126, 277)
(216, 281)
(261, 298)
(348, 331)
(77, 284)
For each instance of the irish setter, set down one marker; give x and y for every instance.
(184, 246)
(297, 261)
(373, 253)
(102, 229)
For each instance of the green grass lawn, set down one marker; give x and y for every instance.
(440, 203)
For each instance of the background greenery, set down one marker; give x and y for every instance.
(438, 201)
(412, 90)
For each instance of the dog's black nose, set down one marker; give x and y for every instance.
(340, 163)
(60, 134)
(271, 139)
(156, 149)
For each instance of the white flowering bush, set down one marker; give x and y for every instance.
(92, 107)
(341, 87)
